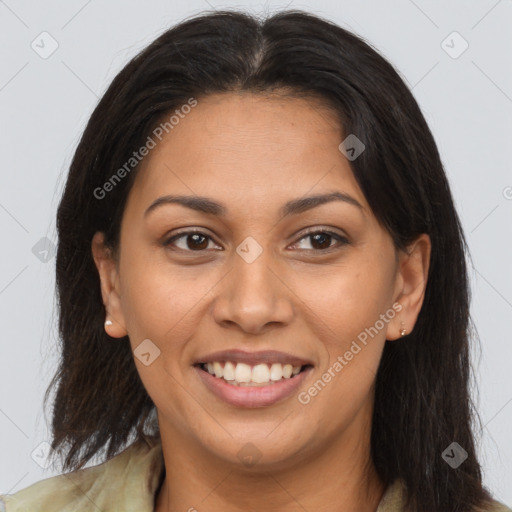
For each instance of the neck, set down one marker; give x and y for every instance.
(340, 474)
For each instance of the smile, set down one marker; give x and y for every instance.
(242, 374)
(247, 386)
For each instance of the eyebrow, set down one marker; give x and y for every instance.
(211, 207)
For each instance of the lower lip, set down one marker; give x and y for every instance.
(252, 396)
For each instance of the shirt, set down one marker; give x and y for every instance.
(128, 482)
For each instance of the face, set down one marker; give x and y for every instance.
(320, 285)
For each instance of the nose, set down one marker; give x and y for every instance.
(253, 296)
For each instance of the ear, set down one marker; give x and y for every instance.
(411, 283)
(106, 265)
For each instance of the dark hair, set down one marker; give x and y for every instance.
(422, 393)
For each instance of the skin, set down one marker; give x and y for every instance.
(296, 297)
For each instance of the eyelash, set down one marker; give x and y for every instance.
(340, 238)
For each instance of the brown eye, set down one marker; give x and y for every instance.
(195, 241)
(322, 240)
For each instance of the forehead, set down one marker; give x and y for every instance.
(243, 146)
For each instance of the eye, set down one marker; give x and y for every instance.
(195, 241)
(322, 239)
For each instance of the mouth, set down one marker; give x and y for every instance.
(250, 380)
(246, 375)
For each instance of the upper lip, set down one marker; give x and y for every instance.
(253, 358)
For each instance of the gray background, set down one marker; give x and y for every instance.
(45, 102)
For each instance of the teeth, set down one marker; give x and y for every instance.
(245, 374)
(276, 371)
(217, 369)
(229, 371)
(260, 373)
(287, 371)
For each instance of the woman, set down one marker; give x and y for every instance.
(258, 245)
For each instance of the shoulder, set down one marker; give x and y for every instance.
(394, 498)
(130, 477)
(496, 506)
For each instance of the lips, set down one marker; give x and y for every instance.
(240, 390)
(253, 397)
(253, 358)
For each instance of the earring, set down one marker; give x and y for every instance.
(403, 331)
(108, 322)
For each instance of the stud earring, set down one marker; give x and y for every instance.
(108, 322)
(403, 331)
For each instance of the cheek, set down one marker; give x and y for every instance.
(344, 308)
(160, 301)
(349, 297)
